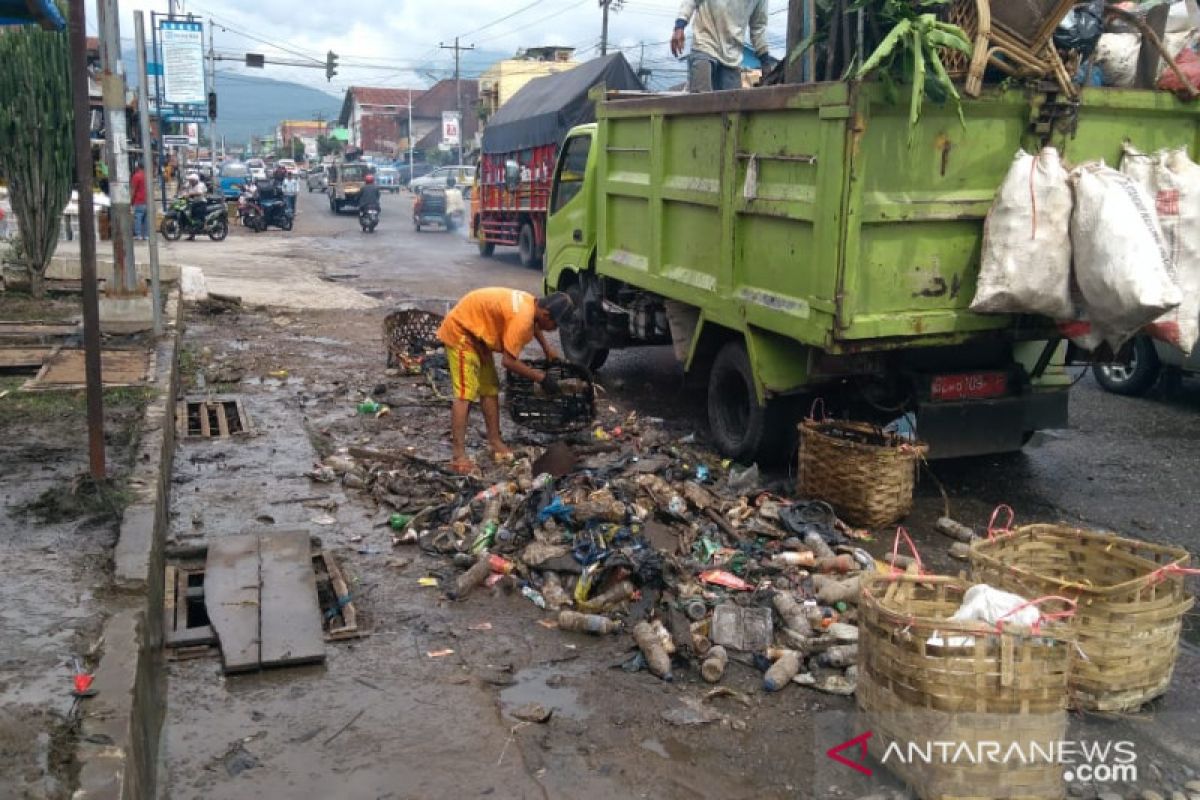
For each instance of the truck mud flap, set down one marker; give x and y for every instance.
(980, 427)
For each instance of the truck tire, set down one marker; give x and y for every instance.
(1135, 377)
(486, 249)
(527, 247)
(574, 340)
(741, 428)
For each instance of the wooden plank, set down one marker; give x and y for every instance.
(205, 429)
(222, 422)
(181, 416)
(291, 613)
(231, 598)
(24, 330)
(169, 604)
(23, 357)
(349, 627)
(65, 369)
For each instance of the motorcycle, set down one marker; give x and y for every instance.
(177, 221)
(250, 213)
(277, 213)
(258, 210)
(439, 206)
(368, 218)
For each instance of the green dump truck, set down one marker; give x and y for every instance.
(790, 243)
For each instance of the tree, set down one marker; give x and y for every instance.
(328, 146)
(36, 154)
(294, 150)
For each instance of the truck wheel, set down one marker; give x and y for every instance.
(743, 429)
(486, 249)
(527, 247)
(1135, 377)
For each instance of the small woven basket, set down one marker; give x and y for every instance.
(572, 409)
(923, 678)
(408, 334)
(1131, 597)
(865, 474)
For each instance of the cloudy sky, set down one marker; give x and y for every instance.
(389, 43)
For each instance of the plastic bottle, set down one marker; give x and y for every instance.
(696, 609)
(595, 624)
(954, 529)
(792, 614)
(369, 407)
(490, 524)
(652, 649)
(793, 558)
(399, 521)
(476, 575)
(782, 671)
(842, 655)
(619, 592)
(713, 668)
(495, 492)
(841, 564)
(500, 564)
(552, 590)
(815, 543)
(533, 595)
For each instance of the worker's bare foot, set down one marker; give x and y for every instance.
(502, 453)
(462, 465)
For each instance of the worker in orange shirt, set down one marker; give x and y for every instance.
(487, 321)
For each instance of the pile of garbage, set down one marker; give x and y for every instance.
(628, 532)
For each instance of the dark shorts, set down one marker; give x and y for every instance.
(706, 74)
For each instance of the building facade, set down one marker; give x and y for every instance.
(503, 79)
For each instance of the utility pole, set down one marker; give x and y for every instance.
(604, 27)
(148, 164)
(87, 237)
(457, 90)
(212, 98)
(124, 281)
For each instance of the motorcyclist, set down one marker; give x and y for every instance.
(368, 196)
(197, 194)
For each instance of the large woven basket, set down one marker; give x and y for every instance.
(865, 474)
(408, 335)
(1131, 597)
(980, 684)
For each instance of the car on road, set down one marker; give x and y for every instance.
(463, 174)
(1147, 359)
(232, 176)
(387, 179)
(407, 172)
(317, 178)
(289, 165)
(258, 168)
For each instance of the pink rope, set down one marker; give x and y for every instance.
(1070, 612)
(992, 529)
(903, 534)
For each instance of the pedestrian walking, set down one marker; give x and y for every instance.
(291, 188)
(137, 191)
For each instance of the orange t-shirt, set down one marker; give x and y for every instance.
(500, 319)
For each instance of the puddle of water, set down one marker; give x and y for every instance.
(543, 685)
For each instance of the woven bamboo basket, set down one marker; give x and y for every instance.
(978, 685)
(408, 335)
(1131, 597)
(572, 409)
(865, 474)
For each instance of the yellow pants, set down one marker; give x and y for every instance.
(472, 375)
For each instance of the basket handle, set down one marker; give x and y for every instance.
(812, 411)
(1159, 575)
(901, 533)
(1069, 612)
(992, 529)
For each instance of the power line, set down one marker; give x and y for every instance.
(495, 22)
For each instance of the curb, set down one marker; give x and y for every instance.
(117, 749)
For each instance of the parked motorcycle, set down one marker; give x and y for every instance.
(259, 209)
(177, 221)
(368, 218)
(276, 213)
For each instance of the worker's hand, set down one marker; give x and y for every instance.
(549, 384)
(769, 62)
(551, 354)
(678, 42)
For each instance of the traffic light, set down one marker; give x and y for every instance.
(212, 105)
(331, 60)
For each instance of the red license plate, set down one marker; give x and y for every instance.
(969, 386)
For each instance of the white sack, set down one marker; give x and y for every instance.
(1173, 180)
(1025, 266)
(192, 284)
(1122, 266)
(986, 604)
(1117, 57)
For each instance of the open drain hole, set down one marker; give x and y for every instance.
(209, 418)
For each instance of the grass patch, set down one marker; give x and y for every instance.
(22, 307)
(20, 406)
(81, 497)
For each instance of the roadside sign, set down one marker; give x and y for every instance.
(172, 116)
(175, 140)
(182, 44)
(450, 128)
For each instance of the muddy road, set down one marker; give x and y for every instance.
(391, 715)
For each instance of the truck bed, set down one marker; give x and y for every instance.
(803, 210)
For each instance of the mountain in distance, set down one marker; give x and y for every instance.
(248, 105)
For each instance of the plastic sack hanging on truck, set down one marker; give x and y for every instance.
(1122, 266)
(1026, 261)
(1173, 180)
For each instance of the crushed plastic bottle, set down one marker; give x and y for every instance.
(552, 590)
(533, 595)
(782, 671)
(840, 656)
(476, 575)
(817, 544)
(648, 641)
(713, 668)
(595, 624)
(399, 522)
(369, 407)
(793, 614)
(619, 592)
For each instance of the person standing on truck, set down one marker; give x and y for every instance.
(718, 30)
(487, 321)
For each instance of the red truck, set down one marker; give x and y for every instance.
(520, 147)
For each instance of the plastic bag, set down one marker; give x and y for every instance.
(1026, 261)
(991, 606)
(1117, 57)
(1081, 28)
(1173, 180)
(1189, 64)
(1122, 266)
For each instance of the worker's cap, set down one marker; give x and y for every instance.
(559, 305)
